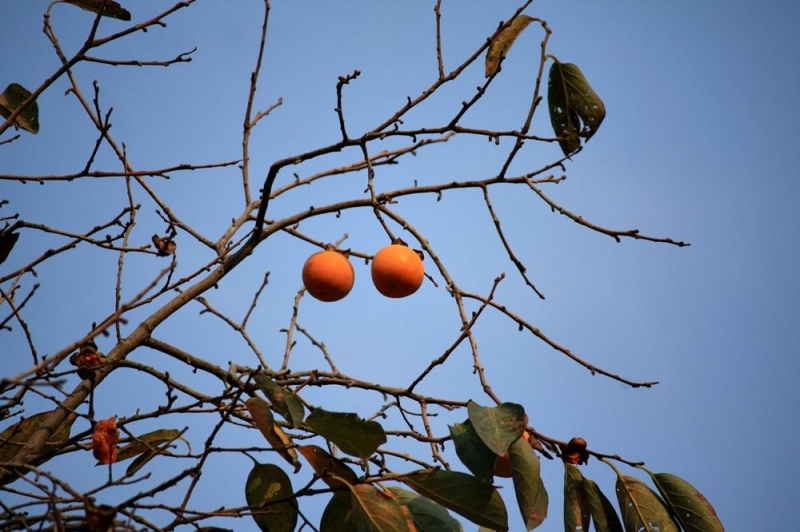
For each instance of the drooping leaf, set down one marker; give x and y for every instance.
(690, 508)
(373, 510)
(14, 95)
(147, 442)
(603, 513)
(531, 494)
(7, 241)
(266, 483)
(112, 8)
(464, 494)
(575, 108)
(502, 42)
(577, 512)
(284, 401)
(472, 452)
(14, 438)
(642, 510)
(334, 472)
(428, 516)
(498, 427)
(262, 418)
(349, 432)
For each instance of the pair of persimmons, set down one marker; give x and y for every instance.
(397, 271)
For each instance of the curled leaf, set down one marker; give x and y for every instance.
(7, 241)
(502, 42)
(280, 441)
(14, 95)
(164, 246)
(105, 438)
(112, 9)
(575, 109)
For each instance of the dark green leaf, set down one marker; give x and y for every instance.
(498, 426)
(14, 95)
(283, 401)
(642, 510)
(349, 432)
(7, 241)
(603, 513)
(472, 452)
(531, 495)
(428, 516)
(373, 510)
(577, 512)
(112, 8)
(575, 109)
(464, 494)
(691, 509)
(336, 517)
(147, 443)
(262, 418)
(267, 483)
(502, 42)
(14, 438)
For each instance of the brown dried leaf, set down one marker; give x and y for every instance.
(105, 438)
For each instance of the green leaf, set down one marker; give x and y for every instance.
(472, 452)
(7, 241)
(464, 494)
(577, 511)
(531, 494)
(349, 432)
(14, 95)
(575, 109)
(147, 443)
(374, 510)
(498, 427)
(14, 438)
(262, 418)
(603, 513)
(428, 516)
(112, 8)
(267, 483)
(502, 42)
(336, 516)
(691, 509)
(642, 510)
(283, 401)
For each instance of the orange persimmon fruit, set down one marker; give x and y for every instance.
(397, 270)
(328, 275)
(502, 465)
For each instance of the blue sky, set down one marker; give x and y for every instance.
(699, 144)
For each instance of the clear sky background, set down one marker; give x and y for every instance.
(699, 144)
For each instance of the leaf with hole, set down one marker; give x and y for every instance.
(14, 96)
(349, 432)
(577, 512)
(112, 8)
(283, 401)
(576, 111)
(642, 510)
(503, 41)
(464, 494)
(269, 494)
(498, 427)
(691, 509)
